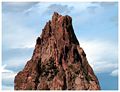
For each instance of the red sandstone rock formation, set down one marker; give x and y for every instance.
(58, 61)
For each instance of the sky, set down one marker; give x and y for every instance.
(95, 25)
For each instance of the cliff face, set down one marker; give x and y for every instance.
(58, 61)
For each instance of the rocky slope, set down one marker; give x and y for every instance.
(58, 61)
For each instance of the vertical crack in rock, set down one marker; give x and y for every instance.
(58, 61)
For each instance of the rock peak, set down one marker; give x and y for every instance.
(56, 17)
(61, 28)
(55, 14)
(58, 62)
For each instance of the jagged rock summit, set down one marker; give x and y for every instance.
(58, 61)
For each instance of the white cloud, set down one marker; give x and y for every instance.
(5, 87)
(114, 73)
(18, 63)
(102, 56)
(8, 74)
(3, 70)
(105, 66)
(29, 45)
(7, 78)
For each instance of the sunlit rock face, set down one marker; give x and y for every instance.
(58, 61)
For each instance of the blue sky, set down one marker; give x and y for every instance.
(95, 25)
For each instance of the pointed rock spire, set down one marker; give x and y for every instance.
(58, 61)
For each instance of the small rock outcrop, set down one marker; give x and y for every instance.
(58, 61)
